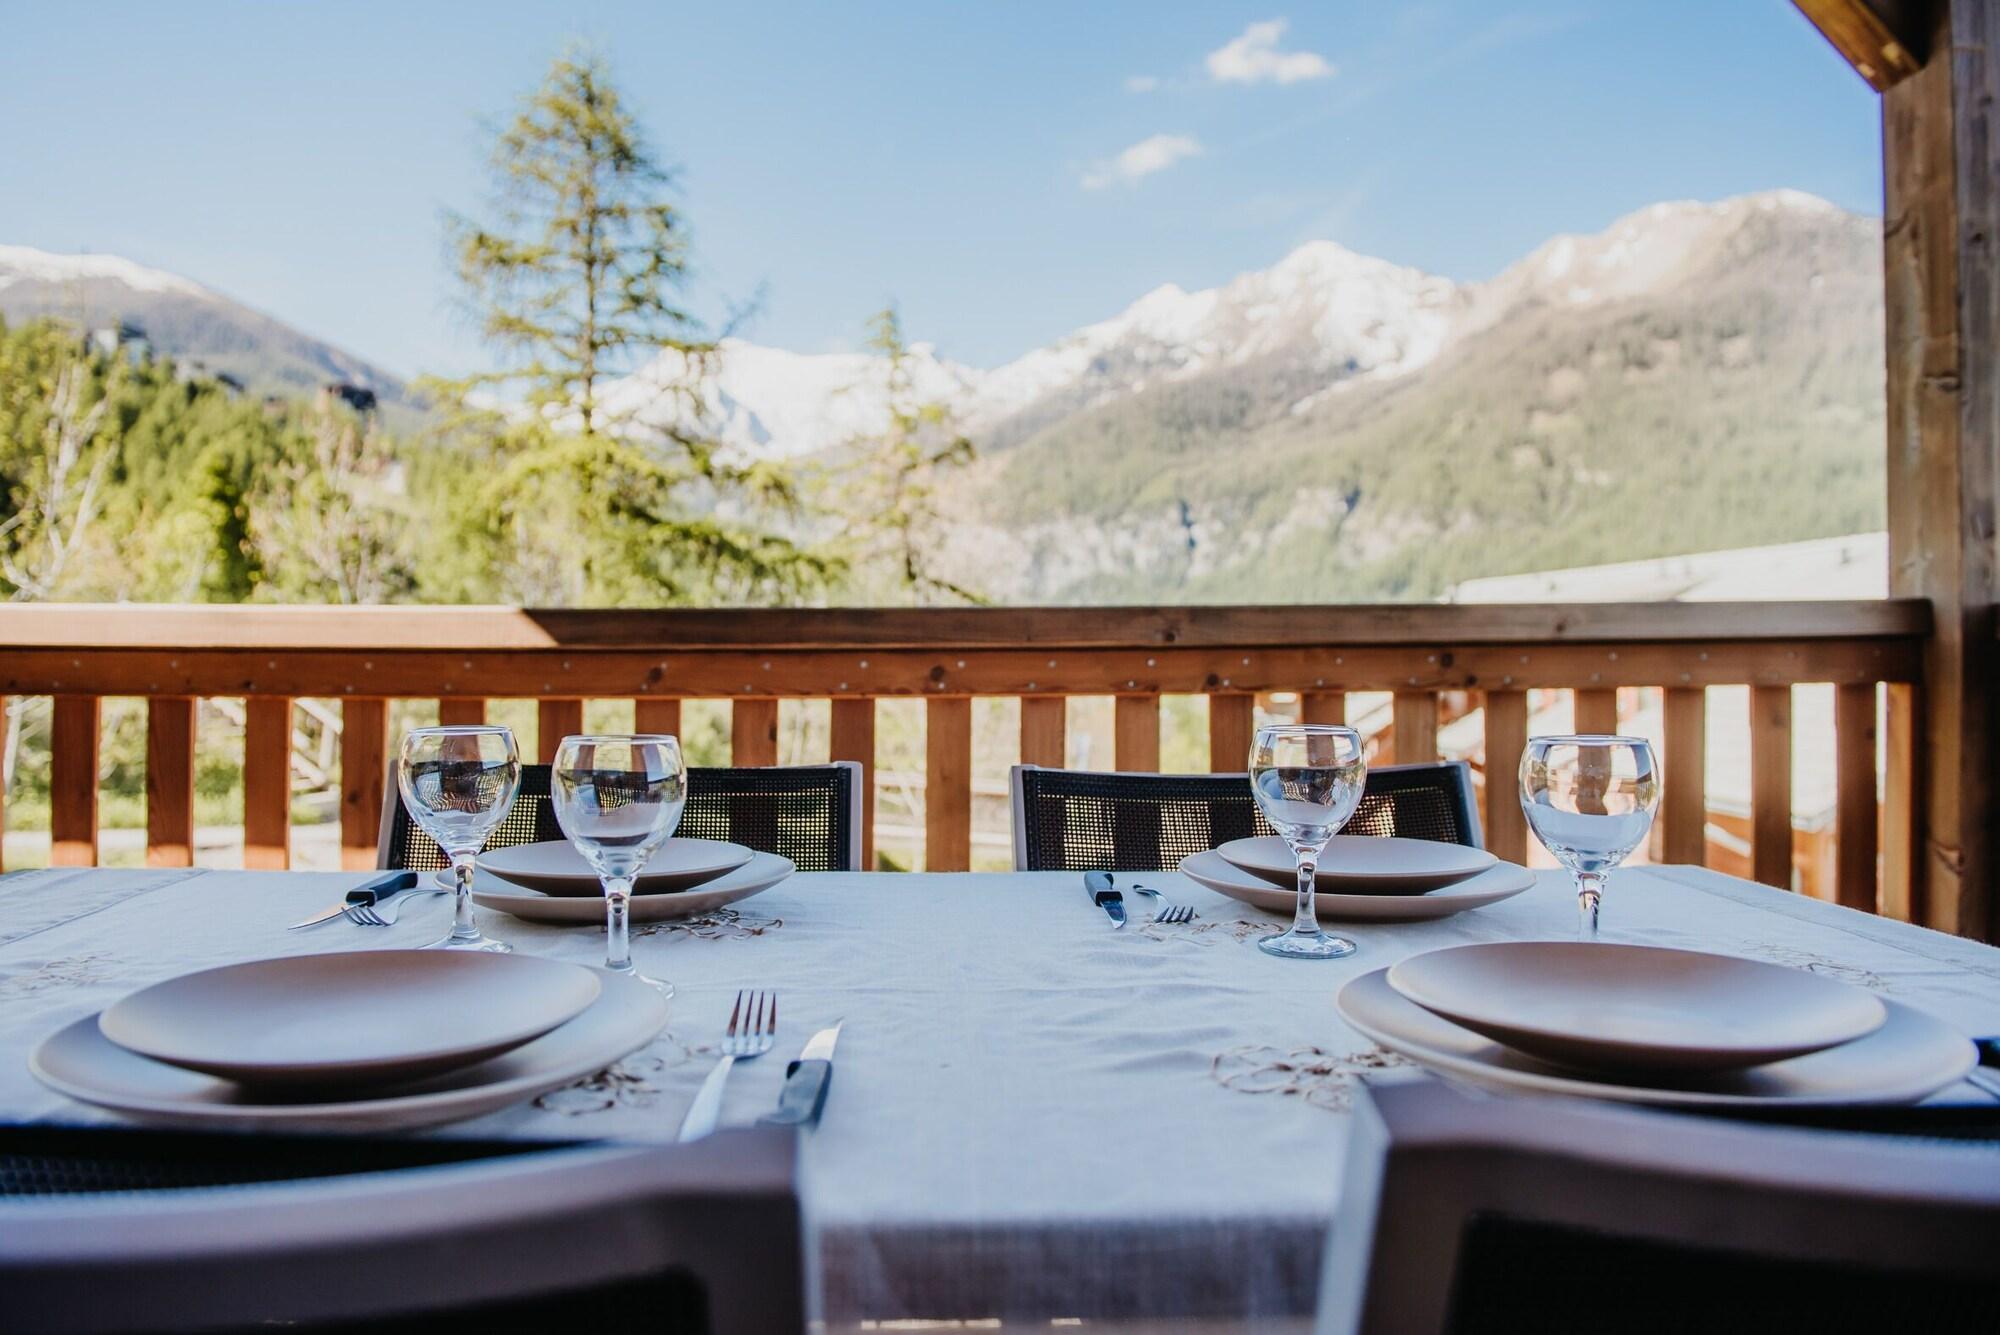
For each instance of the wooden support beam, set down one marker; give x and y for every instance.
(73, 745)
(1854, 796)
(1323, 707)
(660, 716)
(1506, 739)
(1880, 38)
(1684, 769)
(1596, 711)
(1941, 222)
(1416, 726)
(1771, 785)
(364, 768)
(753, 731)
(267, 782)
(1901, 850)
(852, 737)
(948, 783)
(1135, 733)
(460, 711)
(555, 720)
(1231, 721)
(5, 717)
(170, 725)
(1045, 730)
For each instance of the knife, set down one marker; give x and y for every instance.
(806, 1079)
(371, 893)
(1098, 883)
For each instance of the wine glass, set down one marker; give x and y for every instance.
(1307, 778)
(1590, 800)
(457, 784)
(618, 799)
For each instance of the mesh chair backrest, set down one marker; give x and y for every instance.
(801, 812)
(1076, 820)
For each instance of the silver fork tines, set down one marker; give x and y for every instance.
(1165, 910)
(381, 913)
(752, 1029)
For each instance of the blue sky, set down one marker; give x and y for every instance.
(1005, 172)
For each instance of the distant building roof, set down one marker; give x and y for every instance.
(1856, 566)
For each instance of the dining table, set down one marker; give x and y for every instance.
(1034, 1116)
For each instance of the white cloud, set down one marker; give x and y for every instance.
(1142, 83)
(1254, 57)
(1141, 160)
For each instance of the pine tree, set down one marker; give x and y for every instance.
(581, 274)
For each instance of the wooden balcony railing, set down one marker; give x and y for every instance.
(462, 656)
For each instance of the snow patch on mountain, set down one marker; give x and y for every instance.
(22, 264)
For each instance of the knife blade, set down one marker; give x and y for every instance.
(1098, 885)
(806, 1079)
(371, 892)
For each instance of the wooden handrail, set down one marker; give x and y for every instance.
(464, 656)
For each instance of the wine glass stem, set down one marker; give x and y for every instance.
(618, 922)
(1305, 918)
(463, 928)
(1589, 890)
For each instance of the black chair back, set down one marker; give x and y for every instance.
(1080, 820)
(808, 813)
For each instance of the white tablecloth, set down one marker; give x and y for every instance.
(1032, 1116)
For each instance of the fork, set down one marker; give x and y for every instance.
(1165, 911)
(753, 1028)
(382, 913)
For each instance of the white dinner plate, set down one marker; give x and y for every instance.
(1911, 1057)
(554, 867)
(351, 1018)
(1600, 1005)
(80, 1062)
(1501, 881)
(1362, 863)
(763, 871)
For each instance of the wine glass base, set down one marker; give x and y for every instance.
(1297, 946)
(660, 985)
(483, 945)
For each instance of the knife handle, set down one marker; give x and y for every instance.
(804, 1094)
(382, 887)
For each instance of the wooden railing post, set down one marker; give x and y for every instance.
(1135, 733)
(170, 727)
(1596, 711)
(267, 782)
(1045, 730)
(1415, 715)
(852, 737)
(1323, 707)
(1771, 785)
(1854, 795)
(5, 717)
(655, 715)
(948, 783)
(555, 720)
(73, 742)
(458, 711)
(1231, 721)
(364, 769)
(753, 732)
(1684, 807)
(1506, 738)
(1900, 777)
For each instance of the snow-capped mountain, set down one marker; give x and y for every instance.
(1323, 316)
(198, 326)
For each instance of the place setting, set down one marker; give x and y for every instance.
(1308, 780)
(1633, 1022)
(379, 1040)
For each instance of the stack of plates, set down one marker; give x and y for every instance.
(1643, 1024)
(551, 882)
(1362, 878)
(371, 1040)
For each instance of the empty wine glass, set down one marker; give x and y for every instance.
(1590, 800)
(458, 783)
(1307, 778)
(618, 799)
